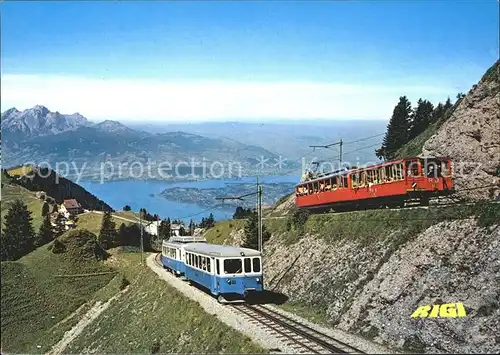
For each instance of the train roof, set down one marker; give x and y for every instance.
(187, 239)
(220, 250)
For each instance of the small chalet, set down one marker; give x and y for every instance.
(70, 208)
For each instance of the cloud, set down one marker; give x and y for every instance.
(134, 99)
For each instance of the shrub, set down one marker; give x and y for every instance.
(58, 247)
(124, 283)
(488, 213)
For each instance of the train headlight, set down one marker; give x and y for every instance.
(229, 282)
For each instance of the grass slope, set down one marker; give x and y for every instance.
(20, 170)
(153, 317)
(93, 221)
(220, 232)
(11, 192)
(35, 302)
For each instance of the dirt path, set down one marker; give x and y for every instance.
(88, 318)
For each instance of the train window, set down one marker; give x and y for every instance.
(376, 178)
(388, 173)
(248, 265)
(256, 264)
(381, 175)
(399, 171)
(232, 266)
(209, 265)
(412, 168)
(362, 179)
(355, 180)
(344, 181)
(369, 177)
(445, 171)
(217, 266)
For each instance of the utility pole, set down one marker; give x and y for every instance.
(259, 216)
(142, 243)
(140, 219)
(259, 210)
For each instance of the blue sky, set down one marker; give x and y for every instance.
(242, 60)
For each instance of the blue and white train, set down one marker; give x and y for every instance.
(227, 272)
(172, 256)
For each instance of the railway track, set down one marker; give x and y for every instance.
(299, 336)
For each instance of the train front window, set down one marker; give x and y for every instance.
(256, 264)
(248, 265)
(232, 266)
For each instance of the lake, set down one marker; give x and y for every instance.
(138, 194)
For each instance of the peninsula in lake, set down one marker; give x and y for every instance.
(271, 192)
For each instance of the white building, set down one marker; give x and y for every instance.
(153, 227)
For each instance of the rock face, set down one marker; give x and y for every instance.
(371, 289)
(471, 137)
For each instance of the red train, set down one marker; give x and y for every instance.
(389, 184)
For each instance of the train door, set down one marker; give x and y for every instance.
(216, 276)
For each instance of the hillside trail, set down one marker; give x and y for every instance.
(87, 319)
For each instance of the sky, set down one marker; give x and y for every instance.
(241, 61)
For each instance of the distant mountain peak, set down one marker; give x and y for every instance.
(111, 124)
(10, 111)
(38, 121)
(41, 109)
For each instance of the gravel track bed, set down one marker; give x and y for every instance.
(355, 341)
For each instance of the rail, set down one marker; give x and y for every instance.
(296, 333)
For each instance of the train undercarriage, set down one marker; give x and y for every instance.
(412, 199)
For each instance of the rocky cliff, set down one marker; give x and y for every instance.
(371, 286)
(471, 137)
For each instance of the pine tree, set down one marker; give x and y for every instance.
(397, 130)
(45, 233)
(210, 221)
(18, 234)
(438, 112)
(107, 234)
(191, 227)
(45, 209)
(164, 229)
(447, 105)
(59, 222)
(252, 233)
(421, 117)
(122, 235)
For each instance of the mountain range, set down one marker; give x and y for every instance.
(37, 134)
